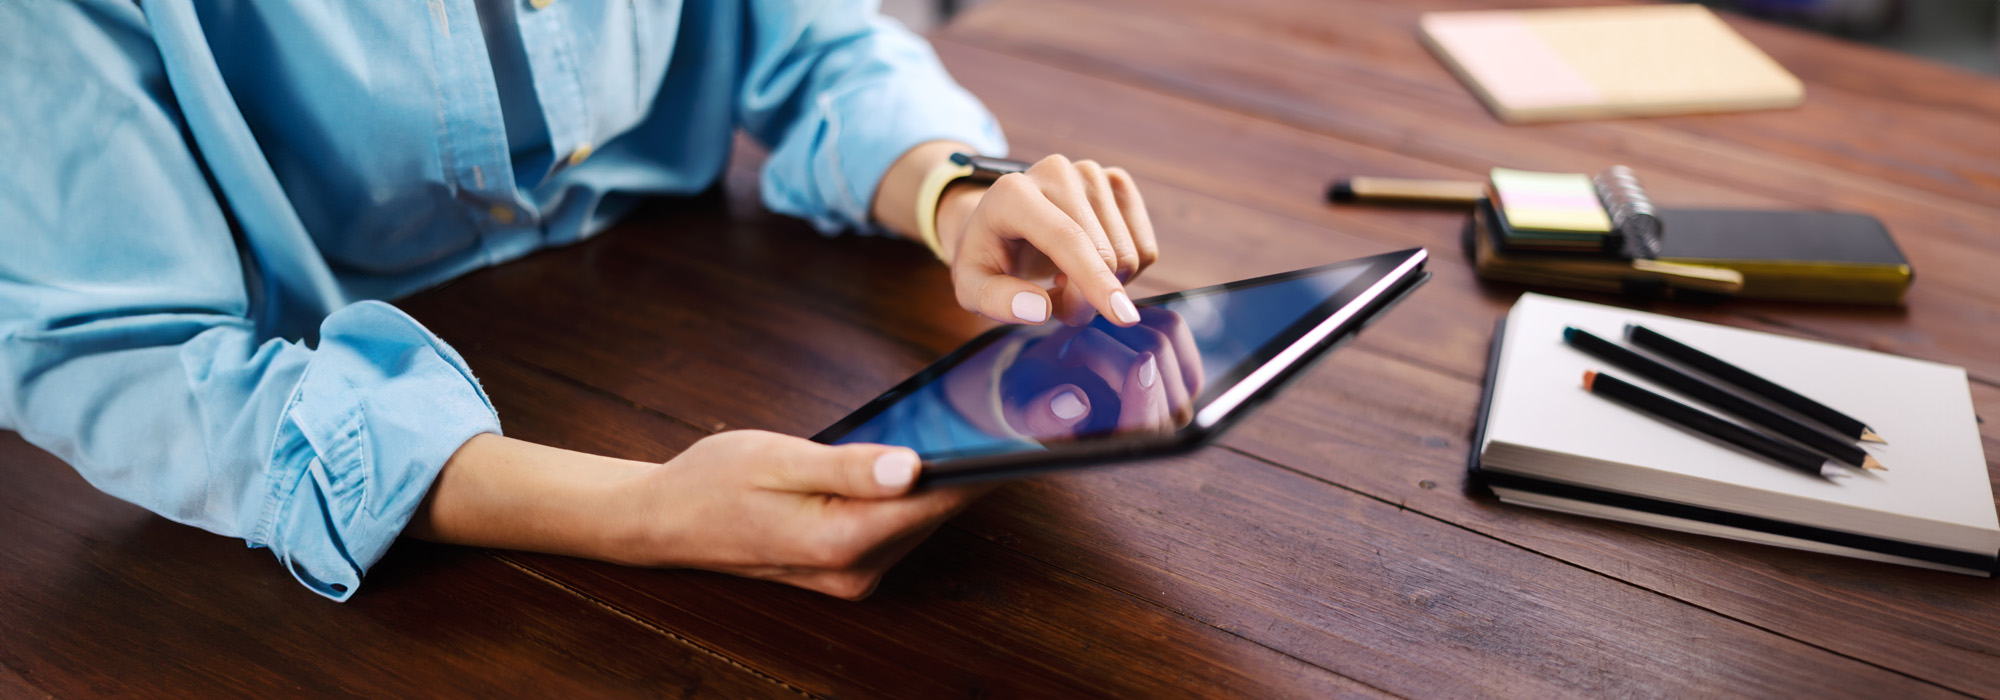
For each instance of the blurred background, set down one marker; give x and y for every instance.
(1965, 33)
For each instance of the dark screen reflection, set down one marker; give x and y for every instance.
(1049, 384)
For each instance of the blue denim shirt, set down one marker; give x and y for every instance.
(200, 204)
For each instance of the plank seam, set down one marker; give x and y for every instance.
(621, 612)
(602, 392)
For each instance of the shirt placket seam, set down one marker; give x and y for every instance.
(558, 84)
(463, 106)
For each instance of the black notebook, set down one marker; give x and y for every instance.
(1792, 255)
(1803, 255)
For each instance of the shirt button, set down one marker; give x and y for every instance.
(539, 4)
(577, 156)
(502, 213)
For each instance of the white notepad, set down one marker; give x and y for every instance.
(1542, 424)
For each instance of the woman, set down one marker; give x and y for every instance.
(203, 203)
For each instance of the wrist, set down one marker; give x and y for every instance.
(511, 494)
(897, 195)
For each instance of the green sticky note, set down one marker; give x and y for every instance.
(1534, 201)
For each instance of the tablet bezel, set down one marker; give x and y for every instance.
(1389, 278)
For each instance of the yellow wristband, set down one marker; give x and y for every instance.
(940, 177)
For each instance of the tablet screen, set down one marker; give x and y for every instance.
(1032, 388)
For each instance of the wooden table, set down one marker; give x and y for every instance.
(1329, 547)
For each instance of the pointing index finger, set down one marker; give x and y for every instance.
(1041, 223)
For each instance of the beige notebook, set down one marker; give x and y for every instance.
(1594, 62)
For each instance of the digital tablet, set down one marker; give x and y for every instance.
(1019, 400)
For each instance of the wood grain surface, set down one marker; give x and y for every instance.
(1328, 547)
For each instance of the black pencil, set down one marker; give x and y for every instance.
(1706, 392)
(1699, 421)
(1841, 423)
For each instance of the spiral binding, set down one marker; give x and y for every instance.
(1631, 211)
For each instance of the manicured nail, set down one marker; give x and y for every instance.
(1123, 306)
(1066, 405)
(1031, 307)
(1149, 372)
(895, 469)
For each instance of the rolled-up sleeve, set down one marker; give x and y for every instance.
(379, 408)
(838, 93)
(127, 342)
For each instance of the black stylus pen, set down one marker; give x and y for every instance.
(1704, 391)
(1700, 421)
(1841, 423)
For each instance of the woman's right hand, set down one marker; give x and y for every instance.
(829, 518)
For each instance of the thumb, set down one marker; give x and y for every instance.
(854, 471)
(982, 280)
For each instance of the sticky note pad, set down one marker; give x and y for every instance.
(1593, 62)
(1533, 201)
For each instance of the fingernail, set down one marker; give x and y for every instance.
(1066, 405)
(1149, 372)
(1122, 305)
(1031, 307)
(895, 469)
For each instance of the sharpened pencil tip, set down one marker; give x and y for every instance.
(1870, 436)
(1589, 377)
(1870, 462)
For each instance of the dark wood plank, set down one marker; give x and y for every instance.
(963, 617)
(1162, 572)
(99, 597)
(1464, 615)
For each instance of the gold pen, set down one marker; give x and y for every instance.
(1393, 190)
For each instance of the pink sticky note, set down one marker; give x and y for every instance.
(1505, 56)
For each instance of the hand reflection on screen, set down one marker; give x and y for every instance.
(1086, 380)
